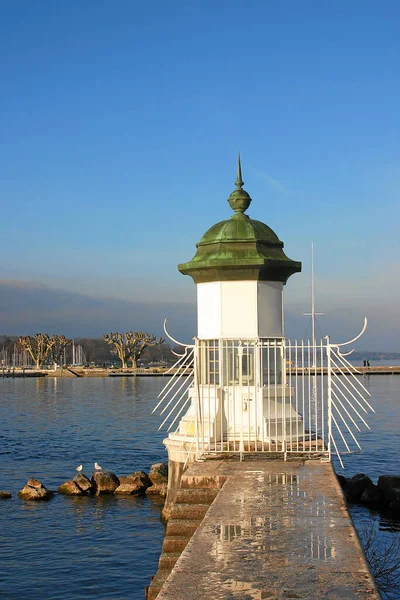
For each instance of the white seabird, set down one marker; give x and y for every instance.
(97, 467)
(79, 469)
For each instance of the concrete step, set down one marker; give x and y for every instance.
(156, 584)
(182, 527)
(175, 543)
(168, 559)
(195, 496)
(189, 511)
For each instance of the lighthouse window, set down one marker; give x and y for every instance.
(239, 363)
(209, 366)
(272, 361)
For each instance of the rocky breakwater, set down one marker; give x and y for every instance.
(102, 482)
(384, 495)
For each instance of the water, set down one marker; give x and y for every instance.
(77, 547)
(380, 456)
(109, 547)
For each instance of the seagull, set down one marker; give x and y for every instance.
(97, 467)
(79, 469)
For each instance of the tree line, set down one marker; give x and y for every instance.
(129, 347)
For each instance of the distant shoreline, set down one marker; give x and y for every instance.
(77, 372)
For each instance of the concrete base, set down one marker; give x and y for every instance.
(180, 457)
(274, 530)
(175, 470)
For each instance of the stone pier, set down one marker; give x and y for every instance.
(261, 529)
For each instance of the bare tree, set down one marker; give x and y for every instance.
(38, 346)
(383, 556)
(58, 344)
(130, 346)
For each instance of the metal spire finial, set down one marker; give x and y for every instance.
(239, 182)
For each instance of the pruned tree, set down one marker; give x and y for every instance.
(58, 345)
(130, 346)
(37, 346)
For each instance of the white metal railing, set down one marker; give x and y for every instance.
(264, 395)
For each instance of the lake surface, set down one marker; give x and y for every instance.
(77, 547)
(109, 547)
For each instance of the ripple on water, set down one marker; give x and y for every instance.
(79, 547)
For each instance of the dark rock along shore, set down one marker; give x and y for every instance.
(360, 489)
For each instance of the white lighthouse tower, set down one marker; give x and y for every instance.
(236, 402)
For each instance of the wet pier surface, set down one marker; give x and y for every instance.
(275, 530)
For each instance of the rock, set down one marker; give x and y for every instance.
(35, 483)
(83, 482)
(158, 489)
(139, 477)
(159, 473)
(35, 490)
(356, 486)
(70, 488)
(104, 482)
(4, 495)
(344, 481)
(395, 504)
(130, 489)
(78, 486)
(389, 486)
(371, 495)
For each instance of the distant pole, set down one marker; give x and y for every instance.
(313, 313)
(312, 295)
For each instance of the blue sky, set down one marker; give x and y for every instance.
(120, 125)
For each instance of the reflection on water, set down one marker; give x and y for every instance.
(321, 546)
(380, 455)
(257, 533)
(108, 548)
(252, 590)
(78, 547)
(282, 496)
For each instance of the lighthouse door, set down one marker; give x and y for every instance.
(239, 389)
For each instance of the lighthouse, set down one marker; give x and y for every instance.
(242, 388)
(237, 402)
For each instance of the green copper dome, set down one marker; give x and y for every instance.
(239, 228)
(240, 248)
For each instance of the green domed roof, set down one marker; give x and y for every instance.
(239, 228)
(240, 248)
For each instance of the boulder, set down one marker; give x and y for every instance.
(389, 486)
(159, 473)
(343, 481)
(104, 482)
(4, 495)
(356, 486)
(130, 489)
(371, 495)
(78, 486)
(158, 489)
(83, 482)
(70, 488)
(395, 503)
(138, 477)
(35, 490)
